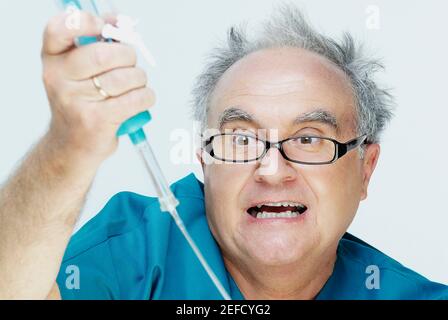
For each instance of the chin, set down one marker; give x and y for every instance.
(280, 250)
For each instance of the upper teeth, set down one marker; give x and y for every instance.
(280, 204)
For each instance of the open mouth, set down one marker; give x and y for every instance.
(275, 210)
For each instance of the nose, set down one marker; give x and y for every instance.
(274, 169)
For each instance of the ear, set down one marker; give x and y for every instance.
(371, 155)
(200, 158)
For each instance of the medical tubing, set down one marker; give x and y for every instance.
(166, 198)
(168, 203)
(199, 255)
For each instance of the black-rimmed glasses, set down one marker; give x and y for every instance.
(310, 150)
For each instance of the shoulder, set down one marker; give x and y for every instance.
(88, 269)
(121, 215)
(395, 280)
(124, 213)
(124, 245)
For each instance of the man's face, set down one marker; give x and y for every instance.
(275, 87)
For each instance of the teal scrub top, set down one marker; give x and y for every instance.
(131, 250)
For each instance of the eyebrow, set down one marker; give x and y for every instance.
(319, 115)
(233, 115)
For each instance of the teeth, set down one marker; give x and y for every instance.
(272, 215)
(280, 204)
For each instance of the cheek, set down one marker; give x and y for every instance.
(337, 189)
(223, 183)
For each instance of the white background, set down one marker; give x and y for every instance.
(406, 214)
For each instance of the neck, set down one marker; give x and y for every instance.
(302, 280)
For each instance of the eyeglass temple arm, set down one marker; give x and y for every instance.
(207, 146)
(343, 148)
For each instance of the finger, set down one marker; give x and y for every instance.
(61, 31)
(130, 104)
(115, 83)
(98, 58)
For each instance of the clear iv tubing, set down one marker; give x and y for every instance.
(168, 203)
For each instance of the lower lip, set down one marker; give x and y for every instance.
(299, 218)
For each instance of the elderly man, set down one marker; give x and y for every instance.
(291, 125)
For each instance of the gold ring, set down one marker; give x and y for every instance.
(97, 84)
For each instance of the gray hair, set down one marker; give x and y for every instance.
(288, 28)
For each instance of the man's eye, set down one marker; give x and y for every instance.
(242, 140)
(308, 140)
